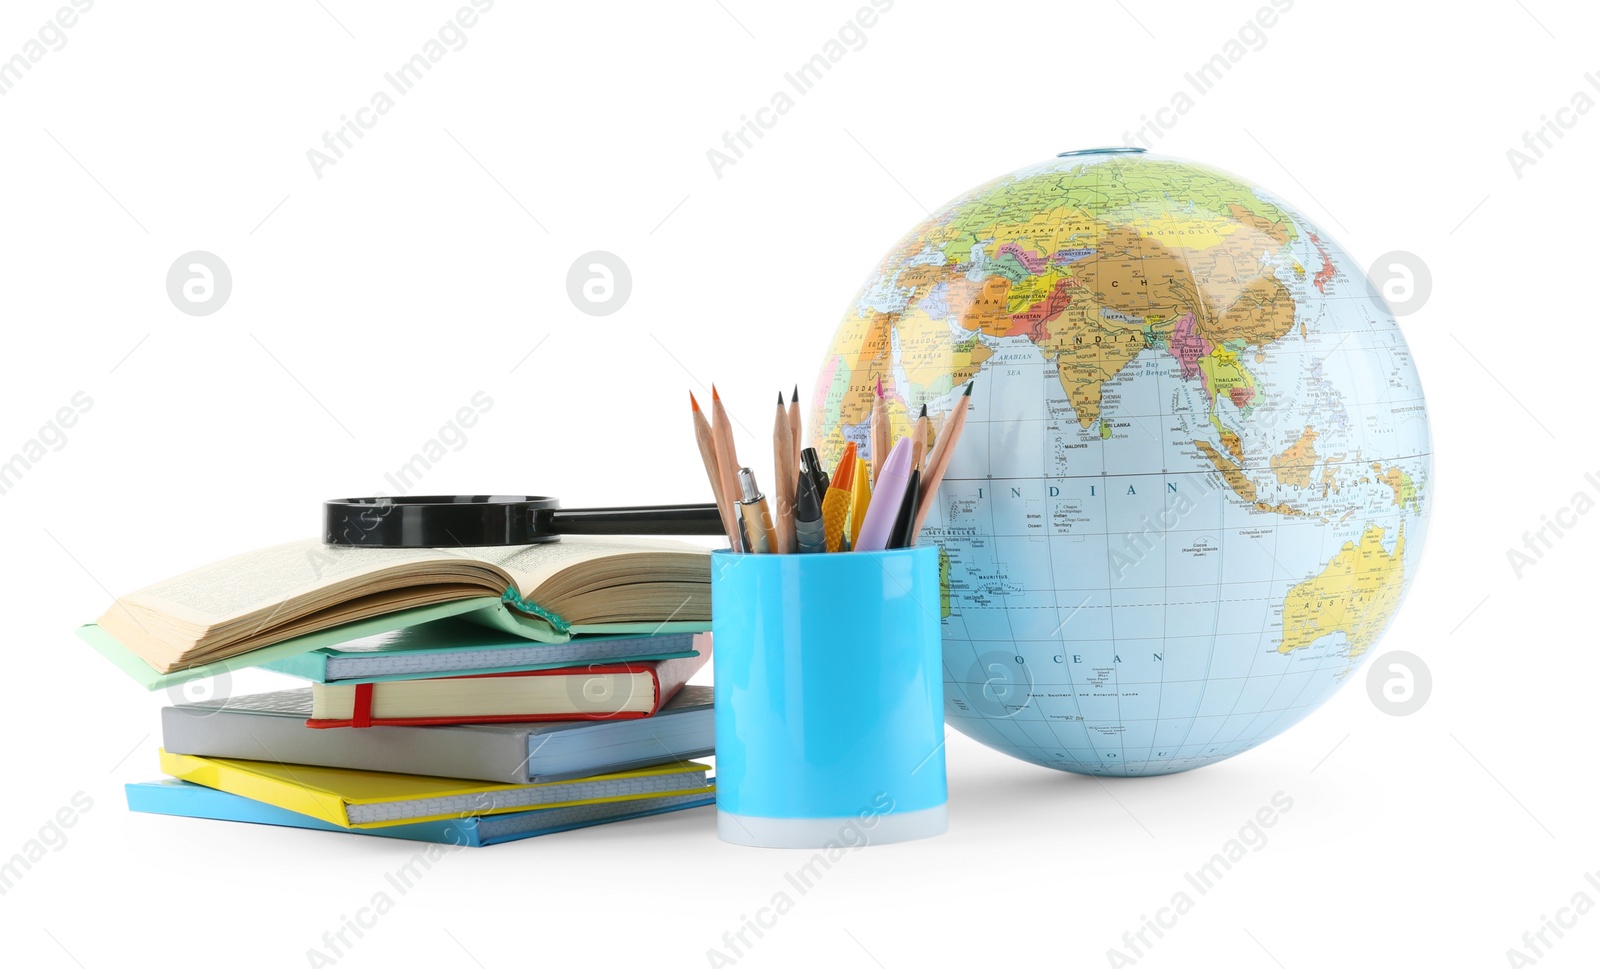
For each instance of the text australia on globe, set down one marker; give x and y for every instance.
(1193, 485)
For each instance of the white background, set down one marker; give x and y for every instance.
(371, 303)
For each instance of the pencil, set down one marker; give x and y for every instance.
(727, 458)
(783, 460)
(919, 438)
(879, 427)
(708, 455)
(794, 429)
(939, 460)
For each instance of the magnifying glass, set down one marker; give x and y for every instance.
(465, 521)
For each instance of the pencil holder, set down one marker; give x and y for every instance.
(829, 697)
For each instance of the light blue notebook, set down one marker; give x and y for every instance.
(182, 799)
(458, 647)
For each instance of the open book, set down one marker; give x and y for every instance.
(544, 592)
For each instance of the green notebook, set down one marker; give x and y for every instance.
(457, 647)
(283, 601)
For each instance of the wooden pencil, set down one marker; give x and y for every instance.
(939, 461)
(879, 428)
(727, 457)
(794, 429)
(708, 455)
(919, 439)
(788, 478)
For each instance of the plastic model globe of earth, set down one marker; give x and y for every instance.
(1194, 480)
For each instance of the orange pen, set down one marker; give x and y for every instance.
(836, 504)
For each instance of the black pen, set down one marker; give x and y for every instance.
(904, 532)
(811, 464)
(808, 531)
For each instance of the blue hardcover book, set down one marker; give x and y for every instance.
(182, 799)
(457, 647)
(272, 726)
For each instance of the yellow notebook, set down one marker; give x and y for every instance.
(370, 799)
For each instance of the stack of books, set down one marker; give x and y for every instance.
(462, 696)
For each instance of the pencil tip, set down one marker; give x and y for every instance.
(924, 411)
(780, 398)
(880, 386)
(969, 388)
(796, 398)
(694, 403)
(714, 394)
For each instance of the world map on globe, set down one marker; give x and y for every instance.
(1193, 485)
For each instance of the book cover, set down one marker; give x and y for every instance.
(486, 611)
(368, 799)
(456, 647)
(181, 799)
(581, 693)
(271, 726)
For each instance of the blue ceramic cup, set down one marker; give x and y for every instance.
(829, 697)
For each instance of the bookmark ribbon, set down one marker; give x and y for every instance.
(511, 598)
(361, 716)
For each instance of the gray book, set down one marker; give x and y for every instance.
(271, 727)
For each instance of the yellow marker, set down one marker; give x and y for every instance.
(860, 495)
(835, 511)
(836, 503)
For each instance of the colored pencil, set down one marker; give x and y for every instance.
(727, 457)
(783, 459)
(708, 455)
(939, 460)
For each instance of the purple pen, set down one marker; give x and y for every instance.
(887, 494)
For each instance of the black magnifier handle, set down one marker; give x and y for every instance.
(464, 521)
(635, 520)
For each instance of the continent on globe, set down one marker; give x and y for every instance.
(1356, 595)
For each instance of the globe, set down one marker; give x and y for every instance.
(1193, 483)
